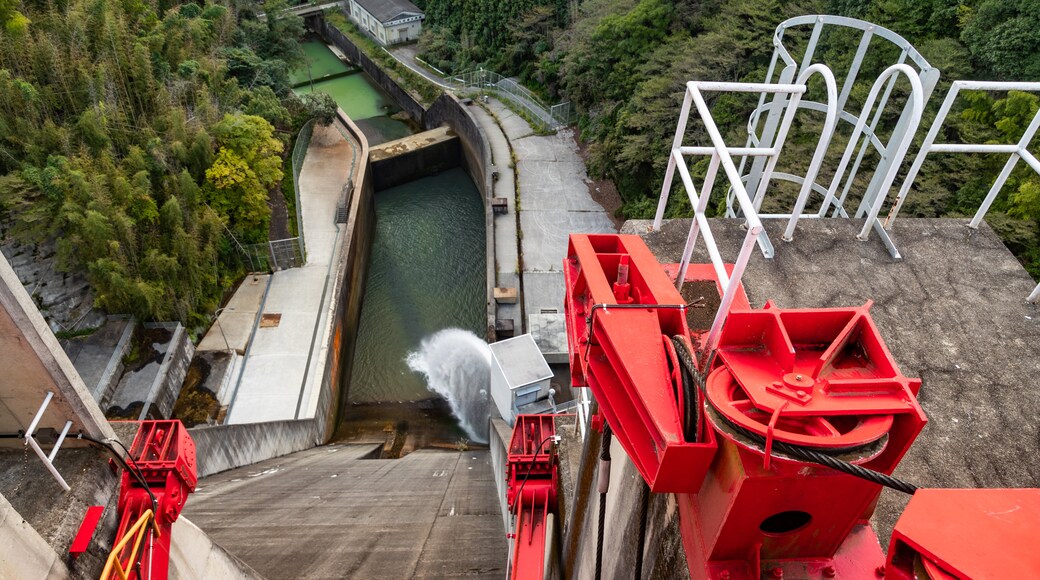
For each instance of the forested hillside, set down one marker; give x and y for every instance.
(145, 136)
(623, 63)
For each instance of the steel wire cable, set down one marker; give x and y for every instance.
(800, 452)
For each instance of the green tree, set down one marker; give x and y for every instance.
(247, 167)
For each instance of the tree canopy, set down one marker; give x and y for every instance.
(624, 63)
(138, 134)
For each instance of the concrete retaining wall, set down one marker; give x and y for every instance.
(448, 110)
(167, 385)
(110, 377)
(194, 556)
(415, 164)
(224, 447)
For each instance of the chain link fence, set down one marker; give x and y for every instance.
(544, 118)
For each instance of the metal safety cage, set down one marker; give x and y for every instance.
(1017, 151)
(891, 153)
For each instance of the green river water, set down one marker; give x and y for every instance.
(426, 273)
(356, 93)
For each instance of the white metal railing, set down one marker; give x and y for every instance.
(890, 154)
(547, 118)
(30, 440)
(721, 155)
(898, 145)
(769, 154)
(1017, 151)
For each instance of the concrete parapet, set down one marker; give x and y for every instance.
(500, 433)
(194, 556)
(224, 447)
(25, 553)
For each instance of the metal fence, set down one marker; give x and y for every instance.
(274, 255)
(543, 117)
(303, 141)
(290, 252)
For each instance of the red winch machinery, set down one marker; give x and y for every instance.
(152, 494)
(531, 497)
(776, 443)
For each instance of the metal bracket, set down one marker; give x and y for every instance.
(48, 460)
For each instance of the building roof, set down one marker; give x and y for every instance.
(389, 10)
(521, 362)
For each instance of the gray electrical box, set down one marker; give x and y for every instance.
(519, 375)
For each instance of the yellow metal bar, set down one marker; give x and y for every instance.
(138, 531)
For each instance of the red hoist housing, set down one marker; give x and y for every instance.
(818, 379)
(165, 455)
(532, 483)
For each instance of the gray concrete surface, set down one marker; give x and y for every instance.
(507, 244)
(234, 325)
(280, 374)
(98, 356)
(194, 556)
(551, 197)
(329, 513)
(25, 553)
(951, 312)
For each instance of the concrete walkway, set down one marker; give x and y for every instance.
(279, 376)
(552, 188)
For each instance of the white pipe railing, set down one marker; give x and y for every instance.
(898, 152)
(771, 154)
(721, 157)
(1017, 150)
(30, 440)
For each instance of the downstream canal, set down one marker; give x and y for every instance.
(353, 90)
(426, 273)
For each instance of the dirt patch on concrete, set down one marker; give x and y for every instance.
(700, 316)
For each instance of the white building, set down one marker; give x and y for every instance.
(388, 21)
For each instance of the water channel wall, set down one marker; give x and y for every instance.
(392, 168)
(167, 384)
(223, 447)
